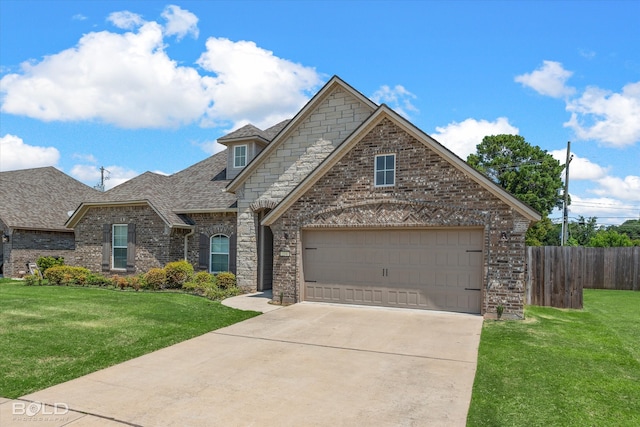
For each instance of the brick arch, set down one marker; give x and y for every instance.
(263, 203)
(396, 213)
(212, 230)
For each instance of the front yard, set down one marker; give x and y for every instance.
(51, 334)
(562, 367)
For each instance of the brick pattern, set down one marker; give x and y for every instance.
(310, 143)
(156, 243)
(429, 192)
(27, 246)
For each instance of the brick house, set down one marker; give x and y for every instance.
(347, 202)
(351, 203)
(34, 206)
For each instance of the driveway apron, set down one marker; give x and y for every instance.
(308, 364)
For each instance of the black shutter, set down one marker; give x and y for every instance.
(131, 248)
(233, 243)
(203, 252)
(106, 246)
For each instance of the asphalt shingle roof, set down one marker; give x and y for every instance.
(250, 131)
(41, 198)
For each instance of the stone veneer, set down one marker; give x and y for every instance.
(335, 118)
(429, 192)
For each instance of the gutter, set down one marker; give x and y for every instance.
(186, 243)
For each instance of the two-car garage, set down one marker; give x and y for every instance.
(436, 269)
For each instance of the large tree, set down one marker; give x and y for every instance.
(526, 171)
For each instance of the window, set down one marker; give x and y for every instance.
(239, 156)
(385, 170)
(219, 253)
(119, 246)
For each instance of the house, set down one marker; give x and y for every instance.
(351, 203)
(347, 202)
(34, 206)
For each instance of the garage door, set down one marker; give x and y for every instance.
(428, 269)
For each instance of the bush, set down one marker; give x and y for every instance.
(46, 262)
(226, 280)
(178, 273)
(155, 278)
(32, 279)
(203, 277)
(98, 280)
(67, 275)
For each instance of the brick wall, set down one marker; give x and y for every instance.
(429, 192)
(27, 246)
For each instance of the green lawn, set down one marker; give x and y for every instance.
(51, 334)
(562, 367)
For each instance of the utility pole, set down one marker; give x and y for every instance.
(103, 178)
(565, 216)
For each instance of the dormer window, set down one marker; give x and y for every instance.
(239, 156)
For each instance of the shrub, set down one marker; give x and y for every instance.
(98, 280)
(67, 275)
(134, 282)
(155, 278)
(178, 273)
(203, 277)
(46, 262)
(226, 280)
(32, 279)
(120, 282)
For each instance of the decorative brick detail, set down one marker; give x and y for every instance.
(429, 192)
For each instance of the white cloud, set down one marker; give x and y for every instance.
(252, 84)
(78, 17)
(627, 188)
(580, 168)
(398, 98)
(128, 80)
(550, 80)
(611, 118)
(180, 22)
(462, 138)
(15, 154)
(125, 20)
(210, 147)
(123, 79)
(85, 157)
(91, 175)
(607, 209)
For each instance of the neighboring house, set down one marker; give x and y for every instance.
(34, 206)
(348, 202)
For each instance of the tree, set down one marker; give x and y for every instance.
(582, 231)
(609, 239)
(528, 172)
(630, 227)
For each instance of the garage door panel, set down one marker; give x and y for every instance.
(399, 268)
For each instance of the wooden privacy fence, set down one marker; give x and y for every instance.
(556, 275)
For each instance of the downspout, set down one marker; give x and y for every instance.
(186, 243)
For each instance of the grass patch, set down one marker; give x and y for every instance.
(52, 334)
(562, 367)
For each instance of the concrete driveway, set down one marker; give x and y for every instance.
(307, 364)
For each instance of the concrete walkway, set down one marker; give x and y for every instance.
(306, 364)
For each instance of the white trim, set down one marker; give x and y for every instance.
(113, 246)
(375, 171)
(211, 253)
(236, 157)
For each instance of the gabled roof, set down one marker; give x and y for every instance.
(198, 188)
(249, 132)
(334, 82)
(385, 112)
(41, 198)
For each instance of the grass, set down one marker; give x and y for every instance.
(562, 367)
(51, 334)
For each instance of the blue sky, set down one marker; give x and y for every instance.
(147, 85)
